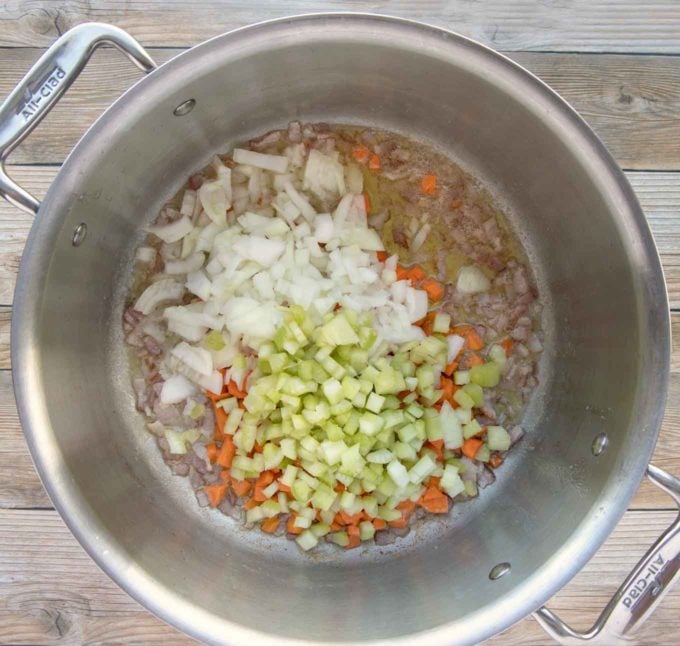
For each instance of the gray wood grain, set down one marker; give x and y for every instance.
(568, 25)
(632, 102)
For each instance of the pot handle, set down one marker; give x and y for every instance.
(44, 85)
(639, 594)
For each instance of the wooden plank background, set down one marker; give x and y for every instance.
(616, 61)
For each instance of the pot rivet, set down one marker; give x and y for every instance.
(184, 108)
(656, 588)
(497, 571)
(79, 234)
(600, 444)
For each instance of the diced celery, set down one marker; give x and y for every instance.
(334, 432)
(233, 421)
(301, 490)
(197, 411)
(415, 410)
(425, 377)
(410, 398)
(254, 515)
(339, 538)
(289, 475)
(273, 455)
(487, 375)
(483, 454)
(350, 387)
(283, 502)
(497, 438)
(433, 427)
(332, 451)
(320, 529)
(475, 391)
(407, 432)
(497, 355)
(451, 426)
(323, 497)
(332, 390)
(366, 530)
(338, 331)
(365, 385)
(375, 402)
(389, 382)
(422, 469)
(370, 424)
(451, 481)
(398, 473)
(388, 515)
(307, 540)
(352, 461)
(442, 323)
(471, 428)
(464, 415)
(470, 488)
(347, 499)
(463, 399)
(404, 451)
(381, 456)
(271, 489)
(289, 448)
(359, 400)
(316, 469)
(461, 377)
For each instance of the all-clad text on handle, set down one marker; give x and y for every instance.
(639, 594)
(45, 83)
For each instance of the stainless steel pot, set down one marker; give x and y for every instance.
(591, 426)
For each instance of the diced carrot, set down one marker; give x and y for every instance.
(416, 273)
(438, 447)
(361, 154)
(434, 289)
(225, 476)
(429, 184)
(374, 162)
(354, 541)
(258, 494)
(495, 460)
(438, 505)
(290, 525)
(367, 204)
(431, 493)
(507, 345)
(265, 478)
(284, 487)
(456, 204)
(379, 523)
(251, 503)
(234, 391)
(471, 446)
(241, 487)
(434, 481)
(427, 323)
(220, 420)
(353, 530)
(339, 519)
(216, 493)
(473, 340)
(402, 273)
(451, 368)
(211, 451)
(339, 487)
(270, 525)
(447, 386)
(406, 507)
(215, 398)
(350, 519)
(382, 255)
(227, 452)
(461, 330)
(335, 527)
(473, 359)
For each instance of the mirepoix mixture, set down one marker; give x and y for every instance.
(333, 333)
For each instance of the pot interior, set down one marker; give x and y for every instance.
(603, 370)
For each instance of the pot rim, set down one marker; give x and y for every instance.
(520, 600)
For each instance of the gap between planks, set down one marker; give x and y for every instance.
(578, 25)
(632, 102)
